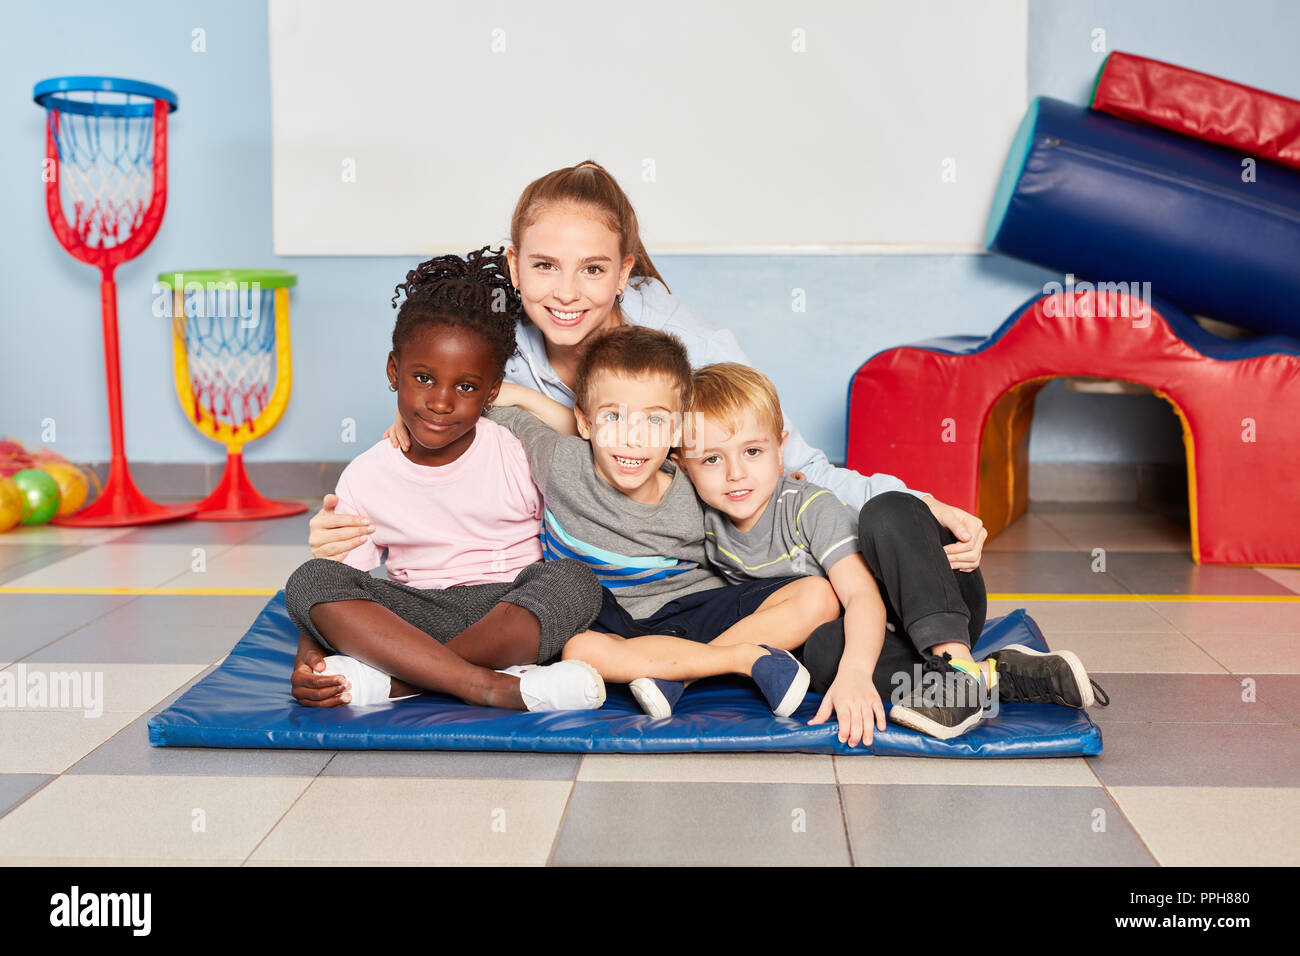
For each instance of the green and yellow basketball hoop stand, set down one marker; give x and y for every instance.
(233, 373)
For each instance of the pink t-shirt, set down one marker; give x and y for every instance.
(474, 521)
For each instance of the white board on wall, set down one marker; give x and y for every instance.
(403, 127)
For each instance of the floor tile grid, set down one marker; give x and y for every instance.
(1122, 813)
(1156, 536)
(559, 827)
(840, 793)
(1292, 720)
(841, 797)
(844, 810)
(1154, 532)
(213, 549)
(1091, 768)
(62, 634)
(1122, 795)
(38, 789)
(287, 810)
(705, 772)
(1236, 672)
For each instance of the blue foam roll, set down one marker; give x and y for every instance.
(246, 703)
(1086, 193)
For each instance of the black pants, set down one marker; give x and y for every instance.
(927, 602)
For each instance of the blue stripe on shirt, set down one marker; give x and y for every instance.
(611, 576)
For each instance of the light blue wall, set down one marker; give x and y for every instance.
(219, 215)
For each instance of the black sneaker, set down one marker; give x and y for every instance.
(945, 705)
(1045, 677)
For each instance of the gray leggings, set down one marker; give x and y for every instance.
(563, 595)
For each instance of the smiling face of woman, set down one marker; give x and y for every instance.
(568, 270)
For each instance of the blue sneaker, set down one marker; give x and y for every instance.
(782, 679)
(657, 697)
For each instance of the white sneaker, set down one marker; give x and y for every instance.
(564, 685)
(369, 684)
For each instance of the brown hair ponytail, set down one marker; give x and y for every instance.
(587, 184)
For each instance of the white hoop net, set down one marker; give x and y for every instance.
(105, 167)
(230, 347)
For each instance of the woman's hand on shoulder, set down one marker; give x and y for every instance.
(397, 434)
(334, 535)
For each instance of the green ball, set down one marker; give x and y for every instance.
(42, 494)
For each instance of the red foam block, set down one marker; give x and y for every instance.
(1254, 121)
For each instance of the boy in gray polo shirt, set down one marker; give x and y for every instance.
(760, 523)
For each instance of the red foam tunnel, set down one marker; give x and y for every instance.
(952, 416)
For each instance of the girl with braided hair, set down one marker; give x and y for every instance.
(455, 519)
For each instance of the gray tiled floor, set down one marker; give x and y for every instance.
(663, 824)
(36, 557)
(1086, 508)
(292, 530)
(1184, 698)
(17, 787)
(161, 629)
(1281, 692)
(196, 533)
(1202, 755)
(1041, 572)
(1183, 735)
(456, 764)
(111, 641)
(1154, 572)
(129, 752)
(19, 558)
(33, 620)
(1035, 826)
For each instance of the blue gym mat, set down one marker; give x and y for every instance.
(246, 703)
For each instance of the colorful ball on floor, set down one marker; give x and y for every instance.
(72, 486)
(12, 504)
(41, 495)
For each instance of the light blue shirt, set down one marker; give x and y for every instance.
(653, 306)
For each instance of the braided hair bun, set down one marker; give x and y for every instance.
(473, 292)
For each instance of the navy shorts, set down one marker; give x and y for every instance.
(700, 616)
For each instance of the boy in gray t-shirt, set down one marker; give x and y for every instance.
(614, 502)
(646, 553)
(760, 523)
(805, 531)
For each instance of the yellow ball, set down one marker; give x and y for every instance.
(72, 486)
(12, 503)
